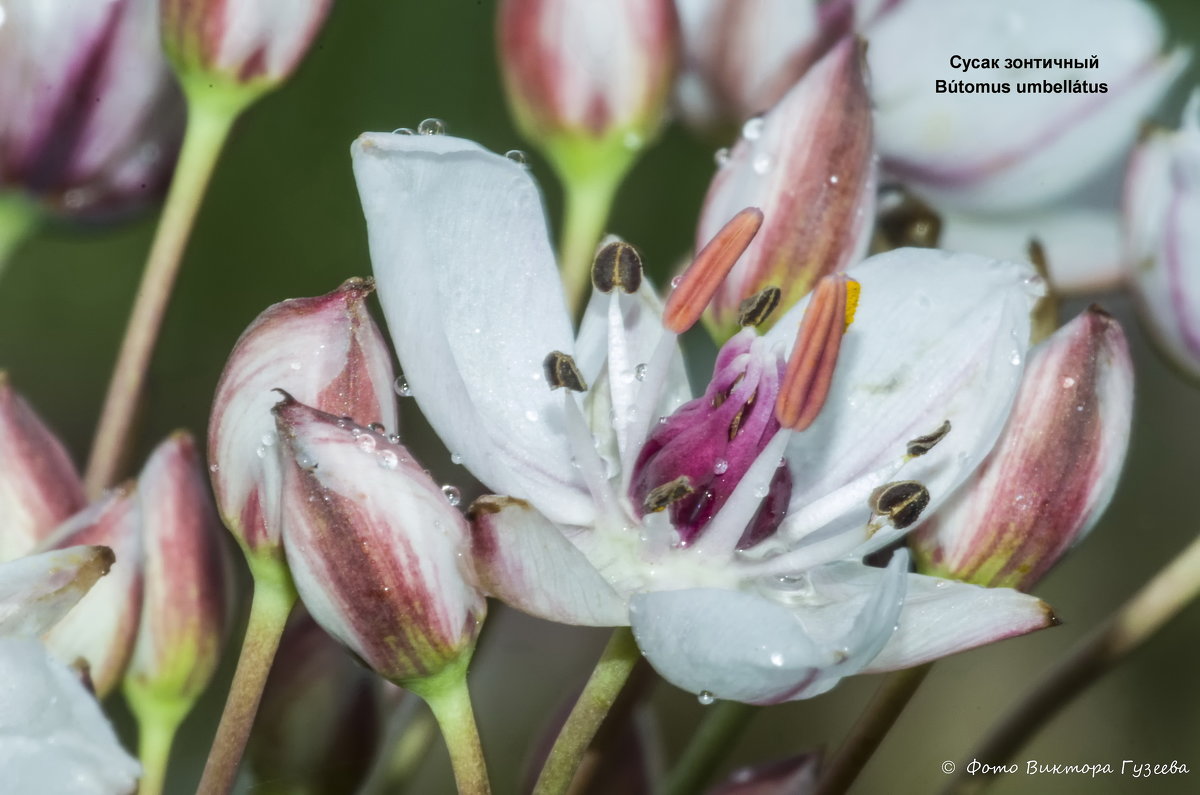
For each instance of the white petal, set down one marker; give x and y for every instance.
(53, 736)
(472, 297)
(36, 591)
(1082, 245)
(936, 337)
(527, 562)
(1018, 149)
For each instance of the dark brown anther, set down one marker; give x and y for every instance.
(617, 265)
(755, 310)
(905, 220)
(923, 444)
(661, 497)
(562, 372)
(902, 502)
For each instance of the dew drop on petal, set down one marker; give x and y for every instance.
(1016, 358)
(517, 156)
(403, 131)
(261, 452)
(833, 179)
(675, 281)
(720, 466)
(295, 365)
(387, 459)
(455, 458)
(453, 495)
(531, 415)
(269, 439)
(721, 157)
(394, 438)
(753, 128)
(639, 372)
(776, 659)
(214, 467)
(761, 164)
(1068, 382)
(366, 443)
(401, 386)
(432, 127)
(705, 698)
(377, 427)
(306, 461)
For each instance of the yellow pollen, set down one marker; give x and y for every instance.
(853, 289)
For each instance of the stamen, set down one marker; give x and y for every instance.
(699, 283)
(661, 497)
(561, 371)
(755, 310)
(923, 444)
(810, 367)
(902, 502)
(905, 220)
(618, 264)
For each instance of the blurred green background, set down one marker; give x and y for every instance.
(283, 220)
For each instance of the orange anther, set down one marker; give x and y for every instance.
(700, 281)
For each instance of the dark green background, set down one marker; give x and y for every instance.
(282, 219)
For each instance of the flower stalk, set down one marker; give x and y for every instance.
(449, 699)
(708, 747)
(611, 673)
(211, 115)
(18, 219)
(158, 720)
(588, 194)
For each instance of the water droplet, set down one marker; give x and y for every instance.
(833, 179)
(394, 438)
(720, 466)
(517, 156)
(662, 420)
(639, 372)
(675, 281)
(455, 458)
(401, 386)
(377, 427)
(366, 443)
(1016, 358)
(306, 461)
(387, 459)
(261, 452)
(941, 584)
(762, 163)
(214, 467)
(403, 131)
(269, 439)
(432, 127)
(705, 698)
(761, 492)
(531, 415)
(753, 128)
(1068, 382)
(777, 659)
(721, 157)
(453, 495)
(295, 365)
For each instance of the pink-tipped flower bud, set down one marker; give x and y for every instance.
(1162, 236)
(39, 487)
(321, 718)
(794, 776)
(36, 591)
(378, 554)
(100, 630)
(328, 353)
(185, 609)
(581, 70)
(1054, 469)
(248, 43)
(90, 117)
(808, 165)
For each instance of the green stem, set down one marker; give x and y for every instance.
(19, 217)
(158, 720)
(210, 117)
(274, 597)
(1158, 601)
(448, 697)
(616, 663)
(708, 747)
(589, 196)
(410, 733)
(873, 725)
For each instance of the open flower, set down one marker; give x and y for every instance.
(728, 534)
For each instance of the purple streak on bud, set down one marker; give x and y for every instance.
(808, 163)
(90, 118)
(101, 628)
(794, 776)
(1054, 469)
(186, 608)
(379, 555)
(325, 351)
(712, 441)
(576, 67)
(39, 486)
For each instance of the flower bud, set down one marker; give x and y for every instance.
(185, 608)
(326, 351)
(320, 720)
(36, 591)
(39, 487)
(100, 629)
(1161, 210)
(377, 552)
(577, 70)
(240, 42)
(808, 165)
(794, 776)
(1075, 99)
(1053, 471)
(90, 117)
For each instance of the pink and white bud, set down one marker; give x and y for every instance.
(808, 164)
(321, 718)
(1162, 243)
(948, 128)
(100, 630)
(241, 42)
(39, 486)
(378, 554)
(794, 776)
(185, 609)
(577, 69)
(328, 353)
(1054, 469)
(36, 591)
(90, 117)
